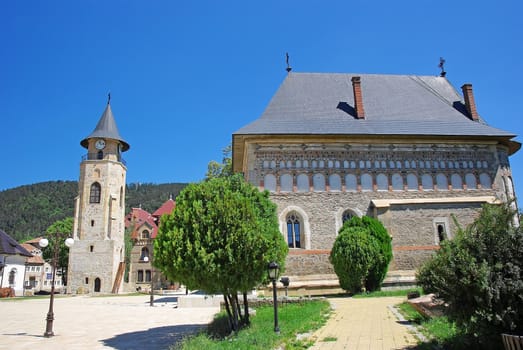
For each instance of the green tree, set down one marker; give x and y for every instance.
(379, 268)
(219, 239)
(223, 169)
(128, 246)
(479, 276)
(56, 234)
(361, 254)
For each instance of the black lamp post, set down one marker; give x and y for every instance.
(44, 242)
(273, 275)
(151, 298)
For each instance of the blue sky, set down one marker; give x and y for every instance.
(184, 76)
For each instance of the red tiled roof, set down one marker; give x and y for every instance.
(166, 208)
(140, 217)
(35, 259)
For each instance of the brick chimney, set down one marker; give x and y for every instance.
(469, 101)
(358, 99)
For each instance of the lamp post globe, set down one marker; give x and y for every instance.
(43, 242)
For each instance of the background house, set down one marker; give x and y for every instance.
(144, 228)
(12, 264)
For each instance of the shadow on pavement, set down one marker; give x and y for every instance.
(153, 338)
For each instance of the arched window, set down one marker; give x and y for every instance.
(442, 235)
(96, 192)
(412, 182)
(318, 181)
(347, 215)
(145, 253)
(442, 182)
(100, 155)
(456, 181)
(366, 182)
(484, 180)
(351, 183)
(269, 182)
(294, 231)
(302, 181)
(382, 182)
(426, 182)
(12, 277)
(286, 183)
(146, 234)
(471, 182)
(397, 182)
(335, 182)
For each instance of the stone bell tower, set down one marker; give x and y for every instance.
(96, 260)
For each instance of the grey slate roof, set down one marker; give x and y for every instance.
(9, 246)
(323, 103)
(106, 128)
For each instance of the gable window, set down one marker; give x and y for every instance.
(146, 234)
(294, 231)
(95, 194)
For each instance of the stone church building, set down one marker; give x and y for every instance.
(408, 150)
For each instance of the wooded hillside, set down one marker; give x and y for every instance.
(27, 211)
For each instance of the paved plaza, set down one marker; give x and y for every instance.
(112, 322)
(129, 323)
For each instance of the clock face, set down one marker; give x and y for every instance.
(100, 144)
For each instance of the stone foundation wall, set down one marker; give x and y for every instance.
(308, 263)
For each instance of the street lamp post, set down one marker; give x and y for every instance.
(151, 298)
(44, 242)
(273, 275)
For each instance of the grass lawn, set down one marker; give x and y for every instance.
(441, 332)
(388, 293)
(293, 319)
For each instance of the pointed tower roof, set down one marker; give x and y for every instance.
(106, 128)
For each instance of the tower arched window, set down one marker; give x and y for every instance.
(294, 237)
(145, 253)
(100, 155)
(95, 193)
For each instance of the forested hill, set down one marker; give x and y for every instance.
(27, 211)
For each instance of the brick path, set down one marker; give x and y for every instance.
(364, 324)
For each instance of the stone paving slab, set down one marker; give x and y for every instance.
(112, 322)
(363, 324)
